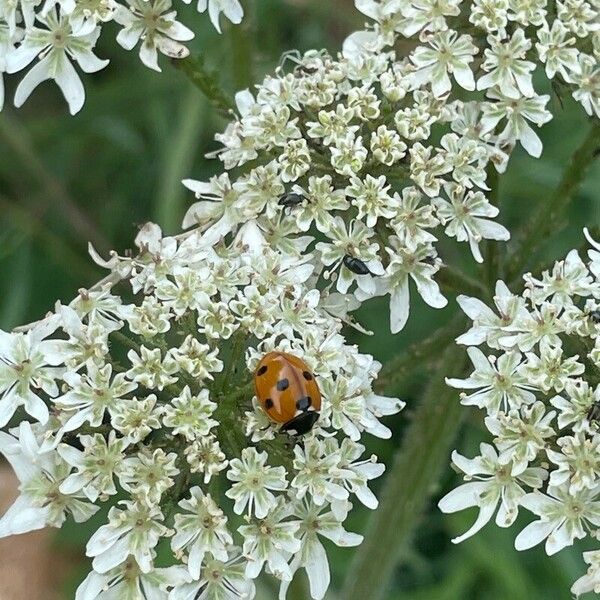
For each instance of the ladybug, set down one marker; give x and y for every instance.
(288, 392)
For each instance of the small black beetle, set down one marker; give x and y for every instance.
(356, 265)
(290, 200)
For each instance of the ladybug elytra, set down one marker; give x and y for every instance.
(288, 392)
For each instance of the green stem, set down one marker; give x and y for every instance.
(419, 354)
(452, 280)
(409, 484)
(493, 251)
(180, 484)
(207, 82)
(126, 341)
(246, 391)
(545, 221)
(238, 345)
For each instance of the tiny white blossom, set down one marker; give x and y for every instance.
(190, 415)
(506, 67)
(563, 517)
(201, 529)
(96, 466)
(448, 54)
(56, 45)
(153, 24)
(496, 483)
(466, 217)
(232, 9)
(131, 531)
(270, 541)
(254, 482)
(28, 367)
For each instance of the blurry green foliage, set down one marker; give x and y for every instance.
(117, 164)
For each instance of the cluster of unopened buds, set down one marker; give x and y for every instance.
(536, 359)
(143, 387)
(56, 35)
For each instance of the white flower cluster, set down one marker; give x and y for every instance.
(55, 35)
(508, 41)
(538, 382)
(340, 168)
(376, 150)
(142, 387)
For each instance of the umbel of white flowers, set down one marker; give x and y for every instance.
(142, 387)
(381, 153)
(536, 359)
(56, 35)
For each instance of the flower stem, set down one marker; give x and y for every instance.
(409, 484)
(423, 351)
(493, 262)
(455, 281)
(207, 82)
(126, 341)
(545, 221)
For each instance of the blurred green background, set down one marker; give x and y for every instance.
(117, 164)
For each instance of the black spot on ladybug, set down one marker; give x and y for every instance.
(268, 404)
(262, 370)
(307, 375)
(283, 384)
(303, 403)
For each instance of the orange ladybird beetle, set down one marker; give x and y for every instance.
(288, 392)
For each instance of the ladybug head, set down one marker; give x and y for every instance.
(302, 423)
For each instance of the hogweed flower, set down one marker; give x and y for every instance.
(537, 367)
(346, 146)
(164, 419)
(59, 34)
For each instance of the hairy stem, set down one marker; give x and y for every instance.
(409, 484)
(452, 280)
(493, 251)
(422, 351)
(126, 341)
(545, 221)
(207, 82)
